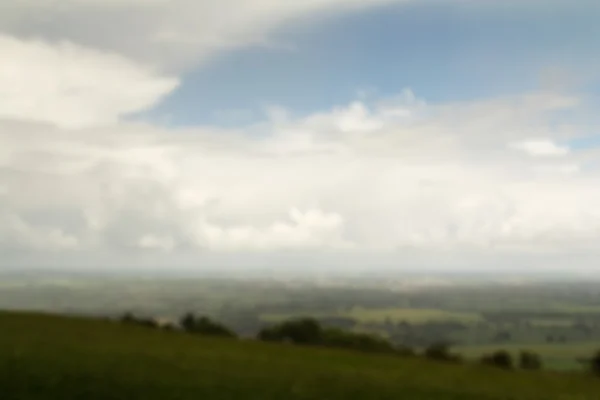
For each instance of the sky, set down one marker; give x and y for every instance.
(317, 135)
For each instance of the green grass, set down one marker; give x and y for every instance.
(370, 315)
(410, 315)
(561, 356)
(577, 309)
(551, 322)
(45, 357)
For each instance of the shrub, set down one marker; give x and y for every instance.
(188, 322)
(500, 359)
(307, 331)
(298, 331)
(530, 360)
(204, 326)
(441, 352)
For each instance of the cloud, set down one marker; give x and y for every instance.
(540, 148)
(386, 177)
(71, 86)
(61, 63)
(176, 34)
(389, 179)
(311, 229)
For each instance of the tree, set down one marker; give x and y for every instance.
(204, 326)
(500, 359)
(304, 331)
(530, 360)
(441, 352)
(298, 331)
(308, 331)
(188, 322)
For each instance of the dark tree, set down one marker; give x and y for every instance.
(500, 359)
(361, 342)
(298, 331)
(188, 322)
(530, 360)
(441, 352)
(307, 331)
(204, 326)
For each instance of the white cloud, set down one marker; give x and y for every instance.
(389, 179)
(540, 147)
(370, 178)
(77, 63)
(72, 86)
(173, 34)
(312, 229)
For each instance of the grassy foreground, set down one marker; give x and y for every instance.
(47, 357)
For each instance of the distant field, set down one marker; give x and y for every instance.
(578, 309)
(410, 315)
(44, 357)
(551, 322)
(555, 356)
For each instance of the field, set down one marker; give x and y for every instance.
(45, 357)
(409, 315)
(558, 318)
(476, 335)
(555, 356)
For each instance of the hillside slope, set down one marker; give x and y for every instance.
(48, 357)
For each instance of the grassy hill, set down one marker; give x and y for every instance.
(49, 357)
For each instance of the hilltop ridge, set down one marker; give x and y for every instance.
(54, 357)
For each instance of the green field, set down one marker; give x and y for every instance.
(555, 356)
(45, 357)
(375, 315)
(410, 315)
(547, 322)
